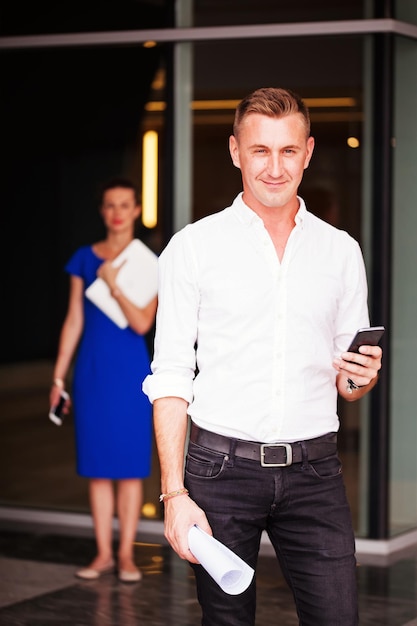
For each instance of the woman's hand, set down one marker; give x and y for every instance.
(54, 397)
(108, 273)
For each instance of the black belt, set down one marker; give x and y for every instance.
(275, 454)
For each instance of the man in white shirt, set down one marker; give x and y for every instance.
(257, 305)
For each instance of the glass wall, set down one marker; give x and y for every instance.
(65, 131)
(403, 458)
(332, 185)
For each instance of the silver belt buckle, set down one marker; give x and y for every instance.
(288, 449)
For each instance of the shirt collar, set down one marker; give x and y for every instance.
(247, 216)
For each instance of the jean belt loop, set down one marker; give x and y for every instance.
(232, 452)
(304, 454)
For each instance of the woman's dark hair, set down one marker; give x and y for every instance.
(119, 181)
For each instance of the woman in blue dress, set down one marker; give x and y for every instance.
(112, 416)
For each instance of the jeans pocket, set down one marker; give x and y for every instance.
(329, 467)
(204, 463)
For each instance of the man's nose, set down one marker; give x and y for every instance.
(275, 165)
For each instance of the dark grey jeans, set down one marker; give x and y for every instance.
(303, 509)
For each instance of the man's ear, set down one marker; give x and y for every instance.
(234, 151)
(310, 148)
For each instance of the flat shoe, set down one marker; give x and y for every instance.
(89, 573)
(130, 577)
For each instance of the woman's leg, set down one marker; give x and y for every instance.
(129, 503)
(102, 508)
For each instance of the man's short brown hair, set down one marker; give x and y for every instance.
(273, 102)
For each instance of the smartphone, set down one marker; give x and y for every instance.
(56, 414)
(366, 337)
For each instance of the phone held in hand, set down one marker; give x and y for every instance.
(366, 337)
(56, 414)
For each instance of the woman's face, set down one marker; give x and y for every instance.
(119, 209)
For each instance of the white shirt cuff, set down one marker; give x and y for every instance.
(167, 385)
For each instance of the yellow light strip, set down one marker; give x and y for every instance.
(324, 103)
(150, 179)
(226, 118)
(210, 105)
(155, 106)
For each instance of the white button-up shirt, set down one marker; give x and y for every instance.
(249, 341)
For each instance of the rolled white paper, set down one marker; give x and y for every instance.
(229, 571)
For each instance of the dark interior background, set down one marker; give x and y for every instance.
(71, 117)
(69, 121)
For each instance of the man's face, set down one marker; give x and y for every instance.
(272, 154)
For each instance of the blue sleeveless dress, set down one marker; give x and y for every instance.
(112, 416)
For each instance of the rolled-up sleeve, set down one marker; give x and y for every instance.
(174, 361)
(167, 385)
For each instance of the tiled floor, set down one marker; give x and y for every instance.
(38, 562)
(38, 587)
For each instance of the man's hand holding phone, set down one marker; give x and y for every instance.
(362, 360)
(366, 337)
